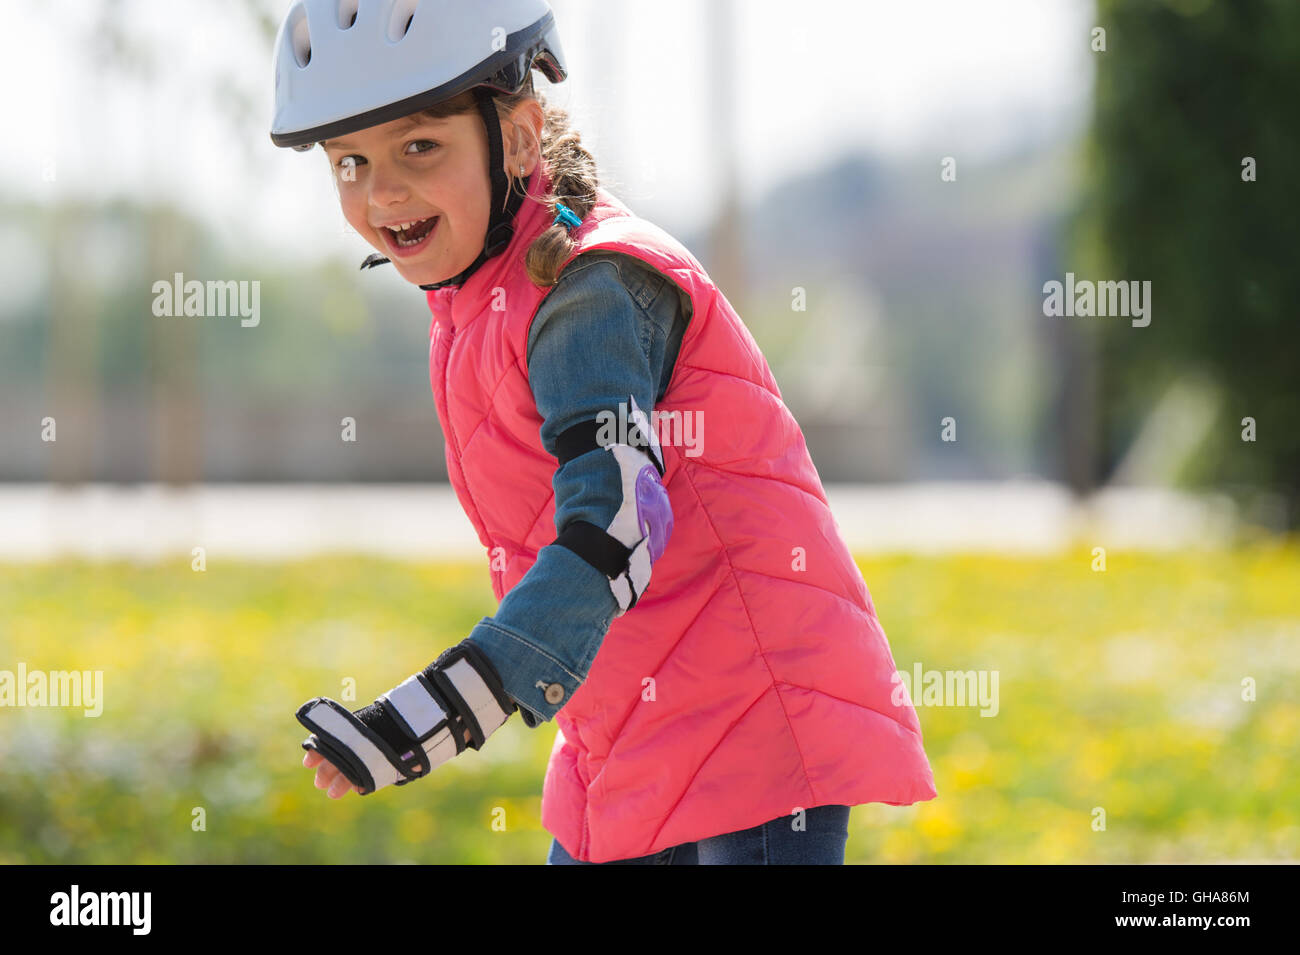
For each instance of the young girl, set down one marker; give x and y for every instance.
(673, 588)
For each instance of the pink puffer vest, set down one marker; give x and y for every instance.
(769, 683)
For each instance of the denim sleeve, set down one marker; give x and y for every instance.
(611, 327)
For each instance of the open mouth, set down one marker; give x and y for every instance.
(410, 236)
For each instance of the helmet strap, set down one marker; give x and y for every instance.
(505, 201)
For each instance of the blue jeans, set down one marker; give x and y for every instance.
(775, 842)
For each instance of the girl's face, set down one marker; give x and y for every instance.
(431, 176)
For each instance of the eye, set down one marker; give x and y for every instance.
(346, 161)
(428, 142)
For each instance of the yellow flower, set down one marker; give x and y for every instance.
(938, 823)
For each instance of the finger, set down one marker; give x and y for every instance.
(311, 758)
(331, 778)
(340, 787)
(326, 773)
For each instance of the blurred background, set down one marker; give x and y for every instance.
(915, 173)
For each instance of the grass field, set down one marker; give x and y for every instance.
(1120, 689)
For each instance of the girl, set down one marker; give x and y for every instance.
(723, 698)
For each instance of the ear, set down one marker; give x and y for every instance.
(526, 123)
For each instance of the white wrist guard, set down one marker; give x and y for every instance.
(431, 710)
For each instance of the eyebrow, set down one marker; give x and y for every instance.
(407, 122)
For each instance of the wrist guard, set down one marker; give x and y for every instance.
(432, 710)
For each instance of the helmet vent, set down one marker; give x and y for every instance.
(300, 36)
(347, 13)
(400, 20)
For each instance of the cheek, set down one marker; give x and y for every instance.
(351, 203)
(470, 213)
(354, 211)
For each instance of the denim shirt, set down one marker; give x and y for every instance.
(612, 326)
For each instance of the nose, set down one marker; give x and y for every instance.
(387, 187)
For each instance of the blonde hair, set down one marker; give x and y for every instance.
(571, 167)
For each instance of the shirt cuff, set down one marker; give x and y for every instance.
(518, 659)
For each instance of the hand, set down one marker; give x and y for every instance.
(328, 776)
(330, 779)
(453, 704)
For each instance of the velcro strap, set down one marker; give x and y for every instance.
(473, 692)
(416, 709)
(638, 567)
(441, 746)
(344, 733)
(623, 593)
(600, 549)
(627, 587)
(416, 706)
(480, 702)
(577, 440)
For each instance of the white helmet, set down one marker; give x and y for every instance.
(344, 65)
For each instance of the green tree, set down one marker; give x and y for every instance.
(1188, 94)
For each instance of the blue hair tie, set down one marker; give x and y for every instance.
(566, 215)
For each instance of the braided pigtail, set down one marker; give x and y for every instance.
(573, 185)
(571, 167)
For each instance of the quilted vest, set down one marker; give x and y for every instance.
(752, 679)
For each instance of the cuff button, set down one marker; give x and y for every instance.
(554, 693)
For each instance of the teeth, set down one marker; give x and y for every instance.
(403, 226)
(405, 242)
(400, 229)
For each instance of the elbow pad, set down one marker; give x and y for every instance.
(637, 536)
